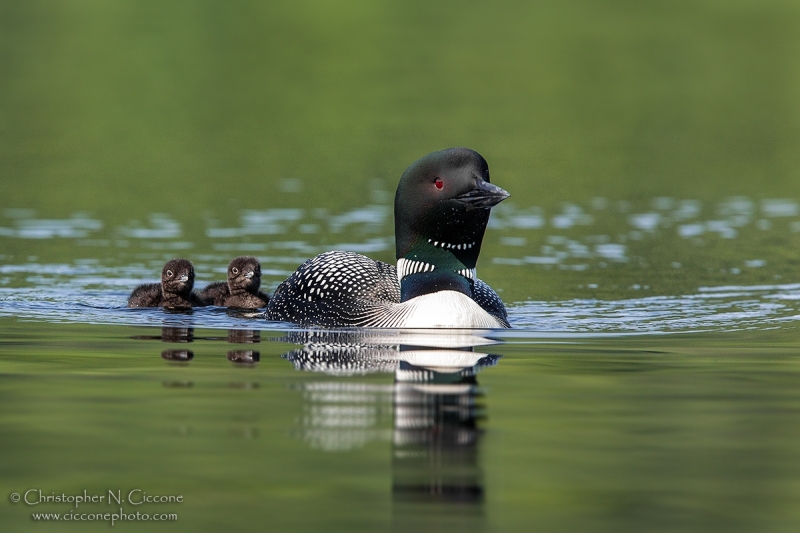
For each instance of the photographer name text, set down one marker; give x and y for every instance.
(110, 497)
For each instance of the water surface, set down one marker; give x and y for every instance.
(598, 413)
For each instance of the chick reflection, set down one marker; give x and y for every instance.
(435, 410)
(244, 357)
(170, 334)
(175, 335)
(244, 336)
(178, 356)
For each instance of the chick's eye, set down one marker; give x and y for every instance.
(169, 273)
(235, 270)
(439, 183)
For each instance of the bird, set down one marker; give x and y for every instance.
(441, 210)
(175, 289)
(241, 289)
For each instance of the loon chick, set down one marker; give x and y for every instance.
(175, 289)
(441, 209)
(241, 290)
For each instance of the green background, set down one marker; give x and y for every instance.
(116, 107)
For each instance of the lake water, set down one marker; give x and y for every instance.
(648, 257)
(592, 413)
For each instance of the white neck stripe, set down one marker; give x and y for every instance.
(406, 267)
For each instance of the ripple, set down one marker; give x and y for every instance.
(79, 226)
(780, 208)
(723, 308)
(645, 221)
(162, 226)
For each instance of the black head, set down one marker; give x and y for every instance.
(442, 205)
(177, 276)
(244, 274)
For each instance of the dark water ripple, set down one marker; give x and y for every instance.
(756, 307)
(727, 308)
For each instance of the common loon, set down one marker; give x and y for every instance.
(175, 289)
(441, 209)
(241, 289)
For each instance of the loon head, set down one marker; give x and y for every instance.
(441, 209)
(177, 276)
(244, 275)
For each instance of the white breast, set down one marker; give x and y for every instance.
(443, 309)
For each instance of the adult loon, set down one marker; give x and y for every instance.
(175, 289)
(441, 209)
(241, 289)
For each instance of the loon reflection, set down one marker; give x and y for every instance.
(434, 408)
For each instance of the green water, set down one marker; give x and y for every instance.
(648, 257)
(636, 434)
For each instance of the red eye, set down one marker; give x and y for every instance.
(439, 183)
